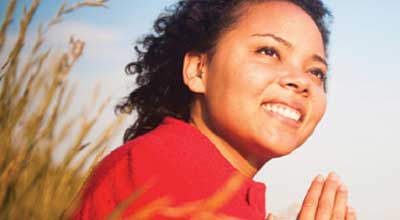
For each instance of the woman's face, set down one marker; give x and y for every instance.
(264, 91)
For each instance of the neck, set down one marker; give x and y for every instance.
(243, 164)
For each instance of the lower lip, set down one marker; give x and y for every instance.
(284, 120)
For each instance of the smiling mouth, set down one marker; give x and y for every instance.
(284, 111)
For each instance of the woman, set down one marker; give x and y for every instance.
(224, 86)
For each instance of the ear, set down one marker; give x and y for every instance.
(194, 71)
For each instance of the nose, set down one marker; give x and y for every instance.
(298, 83)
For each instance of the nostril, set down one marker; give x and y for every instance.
(298, 83)
(298, 88)
(292, 85)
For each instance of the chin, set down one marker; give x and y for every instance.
(280, 149)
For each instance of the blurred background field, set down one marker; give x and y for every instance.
(357, 137)
(38, 119)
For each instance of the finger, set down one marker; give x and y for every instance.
(351, 214)
(327, 199)
(310, 203)
(270, 216)
(340, 207)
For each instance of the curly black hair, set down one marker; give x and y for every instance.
(188, 26)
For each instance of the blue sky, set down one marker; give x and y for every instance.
(357, 137)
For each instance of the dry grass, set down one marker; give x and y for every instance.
(204, 209)
(34, 98)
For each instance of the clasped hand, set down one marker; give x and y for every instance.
(326, 199)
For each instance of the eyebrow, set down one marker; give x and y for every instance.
(318, 58)
(315, 57)
(279, 39)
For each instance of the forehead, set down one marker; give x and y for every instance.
(281, 18)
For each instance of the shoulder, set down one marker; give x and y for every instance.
(121, 162)
(121, 173)
(169, 161)
(150, 156)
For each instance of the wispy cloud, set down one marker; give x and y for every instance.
(101, 42)
(88, 32)
(106, 53)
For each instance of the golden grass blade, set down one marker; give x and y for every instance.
(34, 99)
(6, 22)
(118, 211)
(97, 3)
(15, 52)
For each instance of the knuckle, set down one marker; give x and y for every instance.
(311, 202)
(325, 203)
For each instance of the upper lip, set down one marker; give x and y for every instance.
(298, 106)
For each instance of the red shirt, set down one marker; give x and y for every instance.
(173, 165)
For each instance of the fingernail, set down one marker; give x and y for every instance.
(343, 188)
(319, 179)
(333, 176)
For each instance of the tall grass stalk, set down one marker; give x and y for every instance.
(35, 97)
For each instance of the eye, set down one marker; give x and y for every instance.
(321, 75)
(269, 51)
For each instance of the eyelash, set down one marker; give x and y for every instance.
(269, 51)
(272, 52)
(318, 73)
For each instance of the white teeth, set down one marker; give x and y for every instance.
(283, 110)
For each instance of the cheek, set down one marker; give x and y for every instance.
(257, 78)
(263, 72)
(320, 104)
(243, 82)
